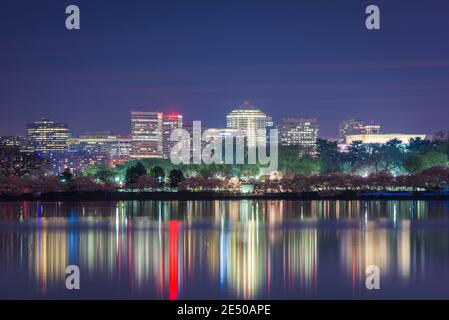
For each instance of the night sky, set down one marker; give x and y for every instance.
(311, 58)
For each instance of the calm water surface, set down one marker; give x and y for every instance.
(225, 249)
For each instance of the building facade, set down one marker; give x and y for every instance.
(94, 142)
(372, 128)
(118, 148)
(353, 127)
(13, 141)
(249, 120)
(298, 132)
(47, 136)
(146, 134)
(77, 162)
(382, 138)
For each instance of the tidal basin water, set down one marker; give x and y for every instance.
(224, 249)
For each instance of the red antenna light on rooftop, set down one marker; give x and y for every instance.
(173, 115)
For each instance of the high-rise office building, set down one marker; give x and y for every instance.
(47, 136)
(249, 120)
(300, 132)
(170, 122)
(146, 133)
(355, 127)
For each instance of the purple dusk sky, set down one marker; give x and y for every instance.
(311, 58)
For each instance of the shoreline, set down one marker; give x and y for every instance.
(204, 196)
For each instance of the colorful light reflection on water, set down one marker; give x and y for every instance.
(225, 249)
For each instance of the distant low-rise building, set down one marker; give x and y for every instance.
(221, 133)
(77, 162)
(382, 138)
(356, 127)
(116, 147)
(120, 150)
(16, 141)
(94, 142)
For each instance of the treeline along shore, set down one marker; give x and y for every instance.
(206, 195)
(418, 170)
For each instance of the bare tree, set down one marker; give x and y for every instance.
(13, 162)
(146, 182)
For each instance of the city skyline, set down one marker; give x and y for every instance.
(191, 58)
(278, 123)
(224, 158)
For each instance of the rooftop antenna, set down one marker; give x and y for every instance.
(247, 104)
